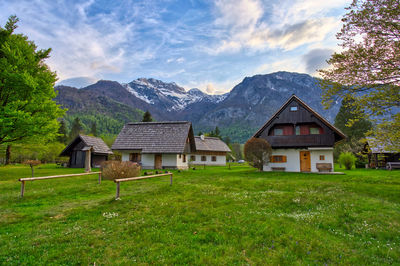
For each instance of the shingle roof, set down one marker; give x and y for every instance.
(97, 145)
(210, 144)
(155, 137)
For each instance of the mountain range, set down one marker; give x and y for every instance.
(238, 113)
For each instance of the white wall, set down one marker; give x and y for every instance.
(221, 159)
(293, 158)
(179, 161)
(168, 160)
(315, 154)
(147, 160)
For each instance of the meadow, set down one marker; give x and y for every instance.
(208, 216)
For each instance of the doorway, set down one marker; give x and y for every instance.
(157, 161)
(305, 161)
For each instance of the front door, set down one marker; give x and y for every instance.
(157, 161)
(305, 161)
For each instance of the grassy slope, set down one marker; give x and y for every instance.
(212, 216)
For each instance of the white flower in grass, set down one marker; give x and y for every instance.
(110, 215)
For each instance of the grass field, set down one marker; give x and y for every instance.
(212, 216)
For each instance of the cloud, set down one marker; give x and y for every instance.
(210, 89)
(316, 59)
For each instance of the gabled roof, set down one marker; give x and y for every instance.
(210, 144)
(155, 137)
(96, 144)
(320, 117)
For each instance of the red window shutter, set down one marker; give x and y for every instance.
(304, 130)
(284, 159)
(288, 130)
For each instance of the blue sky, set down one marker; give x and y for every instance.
(210, 45)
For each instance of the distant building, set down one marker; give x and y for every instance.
(209, 151)
(301, 139)
(156, 145)
(83, 146)
(378, 156)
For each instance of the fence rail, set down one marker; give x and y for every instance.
(23, 180)
(118, 181)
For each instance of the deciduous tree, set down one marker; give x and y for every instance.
(27, 108)
(257, 152)
(368, 68)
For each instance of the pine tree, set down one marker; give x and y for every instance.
(76, 129)
(147, 117)
(93, 129)
(62, 131)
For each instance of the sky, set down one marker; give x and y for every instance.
(209, 45)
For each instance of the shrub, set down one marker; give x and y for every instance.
(347, 159)
(116, 169)
(257, 152)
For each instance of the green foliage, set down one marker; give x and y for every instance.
(257, 152)
(212, 216)
(21, 152)
(367, 68)
(27, 108)
(147, 117)
(93, 129)
(62, 132)
(236, 149)
(347, 159)
(355, 130)
(76, 129)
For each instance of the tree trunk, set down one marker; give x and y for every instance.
(8, 154)
(32, 169)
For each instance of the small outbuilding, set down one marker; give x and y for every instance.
(209, 151)
(378, 155)
(86, 149)
(156, 145)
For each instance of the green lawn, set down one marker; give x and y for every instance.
(212, 216)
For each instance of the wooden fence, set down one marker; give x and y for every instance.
(118, 181)
(23, 180)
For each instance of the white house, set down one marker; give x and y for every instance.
(156, 145)
(209, 151)
(301, 139)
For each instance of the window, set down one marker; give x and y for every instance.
(297, 130)
(134, 157)
(184, 158)
(278, 159)
(213, 158)
(293, 108)
(203, 158)
(193, 158)
(314, 131)
(322, 157)
(278, 131)
(180, 156)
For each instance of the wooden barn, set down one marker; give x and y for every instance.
(378, 155)
(301, 139)
(88, 149)
(209, 151)
(156, 145)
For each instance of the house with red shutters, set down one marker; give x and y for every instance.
(301, 139)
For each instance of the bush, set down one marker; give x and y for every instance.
(347, 159)
(115, 169)
(257, 152)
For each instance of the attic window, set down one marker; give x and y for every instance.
(293, 108)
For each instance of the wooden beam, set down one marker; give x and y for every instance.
(55, 176)
(139, 177)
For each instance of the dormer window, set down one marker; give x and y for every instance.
(293, 108)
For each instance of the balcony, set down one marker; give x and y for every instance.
(301, 140)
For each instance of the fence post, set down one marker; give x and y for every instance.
(117, 195)
(100, 178)
(170, 181)
(22, 188)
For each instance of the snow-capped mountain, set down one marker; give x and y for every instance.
(238, 113)
(168, 95)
